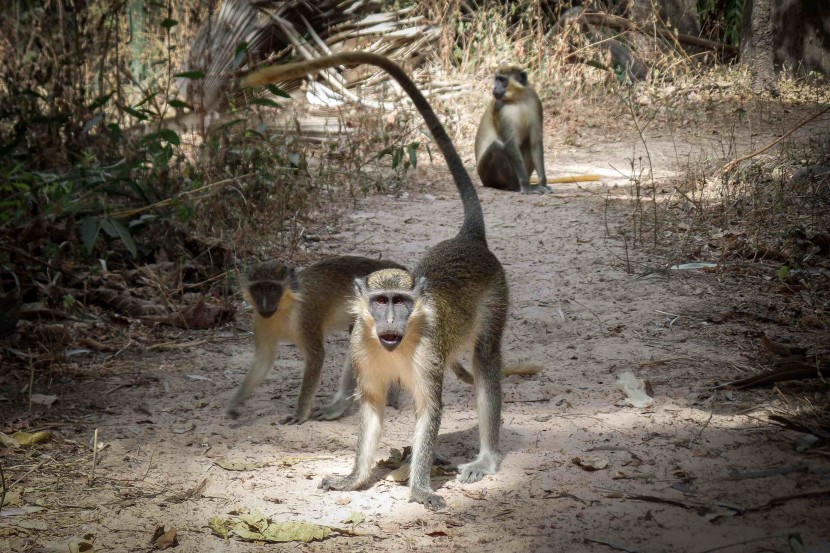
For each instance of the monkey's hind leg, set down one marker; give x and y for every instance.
(372, 408)
(343, 398)
(495, 169)
(315, 353)
(487, 363)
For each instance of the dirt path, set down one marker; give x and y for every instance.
(575, 310)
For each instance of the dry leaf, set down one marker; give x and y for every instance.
(590, 464)
(8, 441)
(355, 518)
(40, 399)
(26, 438)
(165, 539)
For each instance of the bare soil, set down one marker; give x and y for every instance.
(679, 474)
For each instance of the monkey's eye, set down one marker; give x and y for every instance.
(523, 78)
(382, 300)
(398, 300)
(500, 79)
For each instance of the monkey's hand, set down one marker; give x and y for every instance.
(339, 483)
(427, 498)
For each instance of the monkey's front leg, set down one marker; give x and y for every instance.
(514, 154)
(368, 437)
(266, 352)
(428, 412)
(537, 154)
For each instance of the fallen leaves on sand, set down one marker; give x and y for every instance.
(27, 438)
(164, 539)
(254, 526)
(590, 463)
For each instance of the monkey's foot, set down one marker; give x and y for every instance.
(537, 189)
(333, 410)
(339, 483)
(428, 499)
(485, 463)
(293, 419)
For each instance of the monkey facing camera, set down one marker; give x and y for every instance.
(301, 310)
(414, 326)
(509, 138)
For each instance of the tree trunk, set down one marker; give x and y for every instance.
(789, 36)
(758, 48)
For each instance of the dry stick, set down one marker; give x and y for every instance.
(168, 201)
(24, 254)
(742, 542)
(731, 165)
(31, 382)
(94, 457)
(30, 471)
(3, 483)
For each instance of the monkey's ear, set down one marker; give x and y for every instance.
(292, 279)
(420, 287)
(360, 287)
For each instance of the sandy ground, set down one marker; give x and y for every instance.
(575, 309)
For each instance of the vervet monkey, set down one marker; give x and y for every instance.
(302, 309)
(509, 138)
(414, 326)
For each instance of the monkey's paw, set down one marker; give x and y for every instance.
(483, 465)
(332, 411)
(428, 499)
(339, 483)
(537, 189)
(292, 419)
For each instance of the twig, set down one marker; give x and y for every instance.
(30, 257)
(30, 471)
(540, 400)
(178, 345)
(590, 310)
(611, 545)
(3, 483)
(742, 542)
(731, 165)
(711, 413)
(31, 382)
(168, 201)
(94, 458)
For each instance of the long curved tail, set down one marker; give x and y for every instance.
(473, 226)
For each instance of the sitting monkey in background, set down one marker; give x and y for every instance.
(509, 138)
(302, 309)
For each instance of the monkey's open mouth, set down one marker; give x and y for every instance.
(390, 340)
(266, 314)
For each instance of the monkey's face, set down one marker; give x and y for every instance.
(391, 310)
(266, 296)
(508, 83)
(390, 298)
